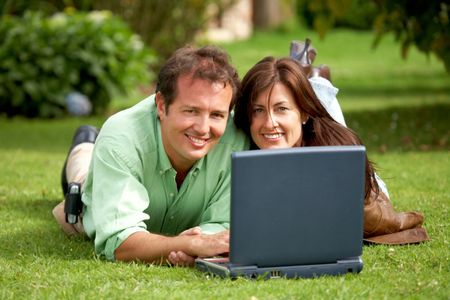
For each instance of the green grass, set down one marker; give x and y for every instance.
(401, 110)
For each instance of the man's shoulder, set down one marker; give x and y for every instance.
(130, 120)
(132, 124)
(135, 114)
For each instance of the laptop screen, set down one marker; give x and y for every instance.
(297, 206)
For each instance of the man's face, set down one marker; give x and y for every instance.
(195, 120)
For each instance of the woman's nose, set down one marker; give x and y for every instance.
(271, 121)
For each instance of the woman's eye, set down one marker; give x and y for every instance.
(283, 108)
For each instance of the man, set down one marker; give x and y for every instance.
(158, 182)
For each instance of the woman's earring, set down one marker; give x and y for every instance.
(304, 122)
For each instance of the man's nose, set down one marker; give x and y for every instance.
(201, 125)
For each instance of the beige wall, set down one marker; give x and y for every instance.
(235, 24)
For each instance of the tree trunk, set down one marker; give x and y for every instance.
(266, 14)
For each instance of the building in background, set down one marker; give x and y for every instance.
(235, 23)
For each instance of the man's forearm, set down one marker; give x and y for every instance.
(148, 247)
(152, 248)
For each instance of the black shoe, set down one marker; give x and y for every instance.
(84, 134)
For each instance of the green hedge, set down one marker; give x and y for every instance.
(42, 59)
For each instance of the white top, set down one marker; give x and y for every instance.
(326, 93)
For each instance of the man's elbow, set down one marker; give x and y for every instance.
(130, 249)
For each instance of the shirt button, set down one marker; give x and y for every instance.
(171, 195)
(161, 172)
(171, 217)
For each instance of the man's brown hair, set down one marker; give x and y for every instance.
(206, 63)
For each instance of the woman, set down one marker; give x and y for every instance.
(278, 108)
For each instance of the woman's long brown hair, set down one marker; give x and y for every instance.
(320, 129)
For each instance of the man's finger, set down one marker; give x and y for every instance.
(181, 259)
(173, 258)
(185, 259)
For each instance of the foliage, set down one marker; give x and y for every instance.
(163, 25)
(43, 59)
(425, 24)
(322, 14)
(19, 7)
(358, 14)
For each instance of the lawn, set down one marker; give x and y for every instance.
(401, 110)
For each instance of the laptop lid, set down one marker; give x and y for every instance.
(297, 206)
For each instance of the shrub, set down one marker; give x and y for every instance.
(354, 14)
(43, 59)
(164, 25)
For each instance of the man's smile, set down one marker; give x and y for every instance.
(198, 141)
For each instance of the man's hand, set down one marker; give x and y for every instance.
(179, 258)
(151, 248)
(207, 245)
(203, 245)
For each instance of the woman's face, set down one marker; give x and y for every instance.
(276, 122)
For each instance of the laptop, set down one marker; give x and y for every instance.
(295, 212)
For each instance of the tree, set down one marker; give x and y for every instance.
(269, 14)
(422, 23)
(266, 14)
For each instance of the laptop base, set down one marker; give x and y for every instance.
(342, 267)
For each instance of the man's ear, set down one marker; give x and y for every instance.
(160, 104)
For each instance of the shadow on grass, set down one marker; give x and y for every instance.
(45, 242)
(30, 231)
(419, 128)
(41, 135)
(394, 91)
(27, 209)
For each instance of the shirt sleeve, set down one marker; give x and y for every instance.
(118, 198)
(216, 216)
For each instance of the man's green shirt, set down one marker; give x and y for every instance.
(131, 183)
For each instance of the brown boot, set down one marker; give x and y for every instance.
(383, 225)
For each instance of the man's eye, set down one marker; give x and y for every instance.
(217, 116)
